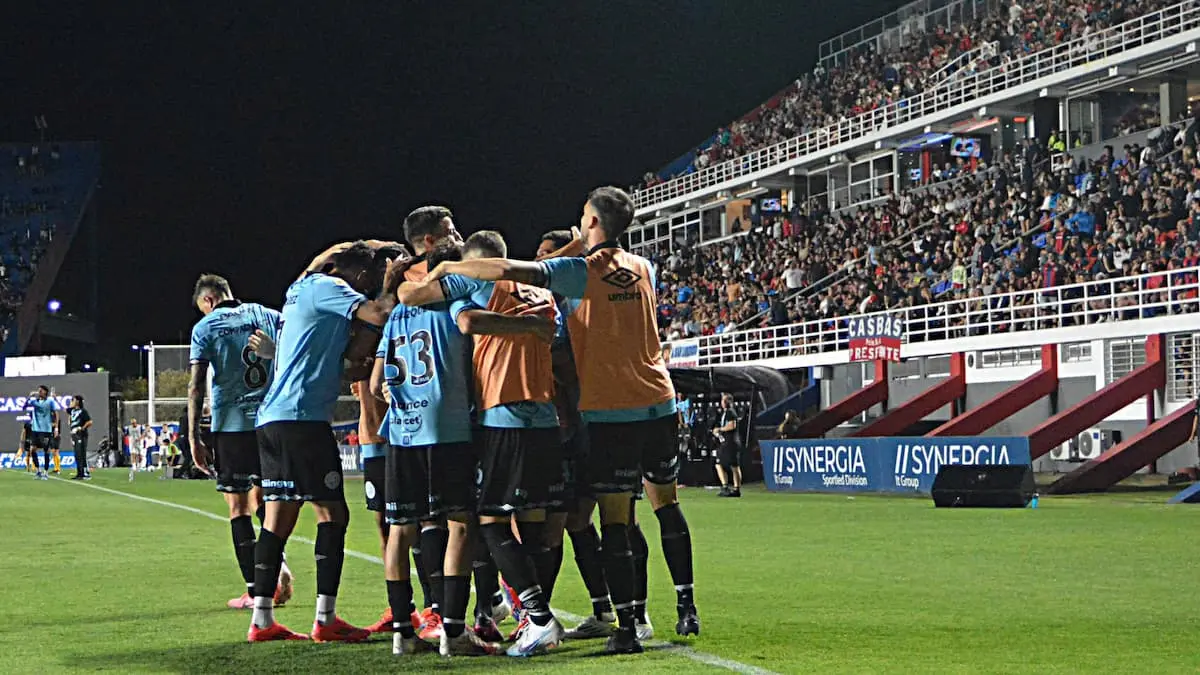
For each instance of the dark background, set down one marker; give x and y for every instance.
(241, 140)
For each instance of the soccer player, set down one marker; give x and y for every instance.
(26, 449)
(299, 455)
(626, 395)
(422, 360)
(81, 422)
(44, 423)
(136, 431)
(240, 378)
(520, 463)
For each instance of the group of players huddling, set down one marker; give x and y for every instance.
(501, 403)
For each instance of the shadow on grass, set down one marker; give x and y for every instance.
(165, 615)
(279, 657)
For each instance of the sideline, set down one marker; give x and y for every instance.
(681, 650)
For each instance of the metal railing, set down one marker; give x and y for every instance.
(1110, 42)
(1183, 363)
(1172, 292)
(955, 67)
(892, 29)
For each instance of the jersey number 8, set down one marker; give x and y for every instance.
(397, 366)
(255, 376)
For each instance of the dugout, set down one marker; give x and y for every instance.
(754, 389)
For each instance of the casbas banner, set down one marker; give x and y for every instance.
(895, 464)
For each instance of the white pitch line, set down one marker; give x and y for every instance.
(681, 650)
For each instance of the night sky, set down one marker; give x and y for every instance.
(241, 141)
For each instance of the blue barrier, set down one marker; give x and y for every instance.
(1189, 495)
(895, 464)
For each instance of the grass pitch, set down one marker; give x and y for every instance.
(100, 582)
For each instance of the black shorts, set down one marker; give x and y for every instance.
(236, 454)
(562, 490)
(300, 462)
(429, 481)
(729, 455)
(375, 482)
(519, 470)
(623, 453)
(55, 441)
(41, 440)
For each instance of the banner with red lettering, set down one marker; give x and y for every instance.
(876, 337)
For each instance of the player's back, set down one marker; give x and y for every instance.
(240, 378)
(313, 336)
(614, 333)
(511, 368)
(426, 371)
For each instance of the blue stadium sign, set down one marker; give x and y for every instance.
(896, 464)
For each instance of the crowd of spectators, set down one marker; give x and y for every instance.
(31, 204)
(871, 79)
(1024, 223)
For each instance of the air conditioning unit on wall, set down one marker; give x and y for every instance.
(1087, 445)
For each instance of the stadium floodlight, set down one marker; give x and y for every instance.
(53, 306)
(87, 367)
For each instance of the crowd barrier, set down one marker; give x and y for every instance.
(8, 460)
(894, 464)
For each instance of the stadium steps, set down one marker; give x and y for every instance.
(895, 421)
(1123, 460)
(1096, 408)
(854, 404)
(1008, 402)
(81, 191)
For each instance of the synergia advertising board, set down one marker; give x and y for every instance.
(896, 464)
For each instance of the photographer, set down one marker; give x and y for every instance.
(81, 422)
(729, 456)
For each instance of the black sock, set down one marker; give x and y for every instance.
(243, 548)
(422, 576)
(533, 539)
(46, 459)
(400, 599)
(518, 570)
(433, 555)
(618, 569)
(268, 555)
(330, 553)
(487, 578)
(641, 553)
(34, 459)
(586, 544)
(456, 590)
(677, 549)
(555, 555)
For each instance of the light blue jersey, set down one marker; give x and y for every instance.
(308, 354)
(425, 372)
(240, 378)
(467, 294)
(43, 413)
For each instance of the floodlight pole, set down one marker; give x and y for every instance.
(150, 384)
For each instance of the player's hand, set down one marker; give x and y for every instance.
(387, 395)
(202, 456)
(393, 275)
(577, 234)
(262, 345)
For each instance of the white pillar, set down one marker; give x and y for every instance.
(150, 385)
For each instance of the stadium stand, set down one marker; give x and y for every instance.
(44, 190)
(927, 59)
(995, 230)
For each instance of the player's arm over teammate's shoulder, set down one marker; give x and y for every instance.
(566, 276)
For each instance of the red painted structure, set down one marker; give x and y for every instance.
(1095, 408)
(1121, 461)
(895, 421)
(854, 404)
(1008, 402)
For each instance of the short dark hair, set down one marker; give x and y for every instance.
(615, 209)
(211, 283)
(359, 257)
(490, 243)
(42, 386)
(559, 238)
(424, 221)
(379, 267)
(444, 251)
(79, 397)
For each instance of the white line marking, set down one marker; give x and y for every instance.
(681, 650)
